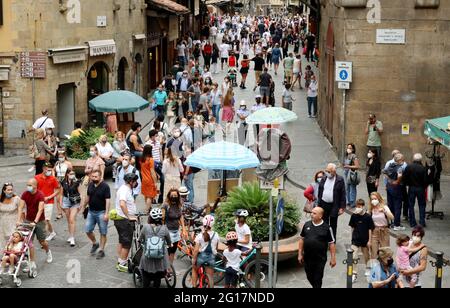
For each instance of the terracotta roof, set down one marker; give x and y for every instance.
(170, 6)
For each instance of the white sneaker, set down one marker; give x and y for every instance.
(32, 169)
(354, 278)
(367, 273)
(69, 239)
(400, 228)
(51, 236)
(11, 271)
(49, 257)
(32, 266)
(72, 242)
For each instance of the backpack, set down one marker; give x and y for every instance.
(155, 246)
(392, 171)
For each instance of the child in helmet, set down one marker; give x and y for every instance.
(232, 256)
(243, 231)
(205, 251)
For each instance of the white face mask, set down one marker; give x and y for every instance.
(349, 151)
(416, 240)
(48, 173)
(370, 155)
(360, 211)
(375, 202)
(72, 177)
(125, 163)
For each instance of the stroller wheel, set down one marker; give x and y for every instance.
(18, 282)
(32, 274)
(137, 278)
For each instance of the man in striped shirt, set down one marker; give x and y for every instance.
(157, 158)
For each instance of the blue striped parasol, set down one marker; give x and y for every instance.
(223, 156)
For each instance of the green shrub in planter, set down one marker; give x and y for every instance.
(78, 147)
(256, 202)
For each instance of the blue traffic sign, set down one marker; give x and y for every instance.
(343, 74)
(280, 216)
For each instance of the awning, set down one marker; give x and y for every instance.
(100, 48)
(439, 130)
(139, 37)
(170, 6)
(68, 54)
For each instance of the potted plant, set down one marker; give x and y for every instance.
(77, 148)
(256, 202)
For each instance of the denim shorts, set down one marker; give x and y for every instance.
(96, 218)
(264, 91)
(206, 259)
(67, 205)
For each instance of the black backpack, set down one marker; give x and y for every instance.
(392, 171)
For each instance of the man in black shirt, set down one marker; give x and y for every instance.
(415, 177)
(362, 226)
(259, 66)
(98, 198)
(315, 239)
(265, 82)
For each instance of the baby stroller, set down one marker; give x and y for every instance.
(232, 74)
(23, 256)
(136, 253)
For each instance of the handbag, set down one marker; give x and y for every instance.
(353, 178)
(75, 199)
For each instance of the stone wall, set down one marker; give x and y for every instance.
(399, 83)
(41, 25)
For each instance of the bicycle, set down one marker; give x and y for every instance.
(247, 266)
(136, 253)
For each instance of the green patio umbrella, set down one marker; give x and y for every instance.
(118, 101)
(439, 130)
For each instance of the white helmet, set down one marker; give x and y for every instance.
(242, 213)
(156, 214)
(208, 221)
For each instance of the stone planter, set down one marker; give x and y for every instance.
(287, 248)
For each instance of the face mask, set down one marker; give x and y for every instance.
(174, 199)
(72, 177)
(319, 180)
(30, 189)
(92, 154)
(349, 151)
(329, 175)
(125, 163)
(48, 173)
(104, 141)
(370, 155)
(416, 240)
(243, 108)
(61, 159)
(96, 182)
(9, 196)
(359, 211)
(375, 202)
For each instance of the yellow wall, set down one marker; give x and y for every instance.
(5, 30)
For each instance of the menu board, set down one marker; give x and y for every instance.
(33, 64)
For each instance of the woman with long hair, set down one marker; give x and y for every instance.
(228, 107)
(71, 201)
(149, 177)
(373, 171)
(9, 213)
(172, 169)
(173, 218)
(382, 217)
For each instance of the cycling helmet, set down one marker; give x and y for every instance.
(130, 177)
(208, 221)
(156, 214)
(232, 236)
(242, 213)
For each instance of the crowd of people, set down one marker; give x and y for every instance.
(191, 107)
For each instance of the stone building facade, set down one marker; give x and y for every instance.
(90, 46)
(403, 79)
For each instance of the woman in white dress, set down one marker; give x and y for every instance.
(172, 169)
(9, 213)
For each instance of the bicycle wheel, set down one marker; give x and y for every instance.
(171, 279)
(137, 278)
(187, 279)
(249, 274)
(219, 276)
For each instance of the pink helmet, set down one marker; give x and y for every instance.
(232, 236)
(208, 221)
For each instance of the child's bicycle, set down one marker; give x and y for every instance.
(246, 275)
